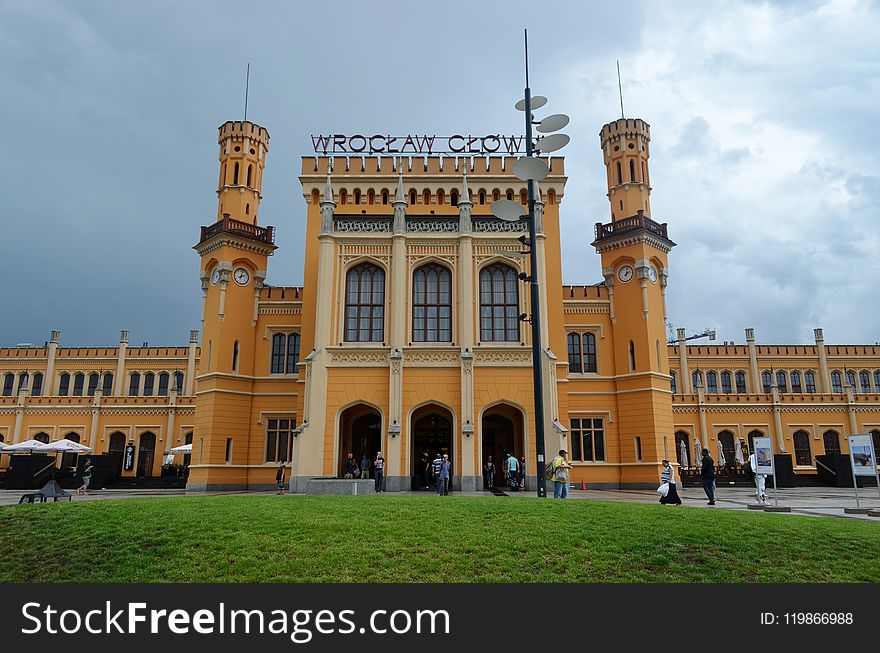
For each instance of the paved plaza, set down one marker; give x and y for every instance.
(813, 501)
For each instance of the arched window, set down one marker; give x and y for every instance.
(836, 385)
(499, 304)
(42, 437)
(453, 198)
(94, 380)
(37, 385)
(250, 174)
(619, 174)
(247, 209)
(810, 381)
(725, 383)
(343, 196)
(781, 381)
(482, 196)
(149, 382)
(432, 304)
(426, 197)
(696, 380)
(365, 304)
(357, 195)
(796, 382)
(574, 353)
(441, 196)
(683, 450)
(864, 382)
(876, 380)
(107, 384)
(632, 356)
(412, 196)
(802, 454)
(740, 383)
(832, 442)
(712, 383)
(68, 459)
(766, 381)
(384, 196)
(509, 194)
(590, 352)
(752, 436)
(23, 379)
(644, 174)
(371, 196)
(632, 170)
(851, 379)
(235, 175)
(134, 383)
(728, 446)
(524, 197)
(279, 344)
(64, 385)
(163, 384)
(78, 382)
(672, 383)
(178, 382)
(292, 352)
(235, 349)
(875, 436)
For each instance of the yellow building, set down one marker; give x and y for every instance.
(405, 338)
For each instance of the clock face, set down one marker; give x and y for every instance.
(241, 276)
(652, 274)
(215, 277)
(625, 273)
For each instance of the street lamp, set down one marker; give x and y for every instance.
(531, 169)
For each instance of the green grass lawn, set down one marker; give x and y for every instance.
(423, 539)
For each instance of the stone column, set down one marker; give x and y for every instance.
(19, 415)
(824, 378)
(466, 338)
(395, 458)
(608, 274)
(777, 416)
(190, 381)
(169, 426)
(756, 386)
(701, 401)
(49, 381)
(851, 408)
(119, 381)
(96, 414)
(685, 384)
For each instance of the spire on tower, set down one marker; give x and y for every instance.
(328, 189)
(465, 193)
(401, 196)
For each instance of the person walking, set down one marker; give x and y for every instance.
(351, 466)
(365, 466)
(707, 476)
(489, 473)
(521, 473)
(512, 468)
(86, 477)
(668, 476)
(443, 477)
(279, 478)
(379, 472)
(435, 470)
(425, 463)
(561, 475)
(760, 479)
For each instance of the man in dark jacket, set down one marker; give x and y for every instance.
(707, 475)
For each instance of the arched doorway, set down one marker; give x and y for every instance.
(502, 432)
(683, 450)
(117, 448)
(68, 459)
(431, 429)
(146, 453)
(360, 428)
(725, 439)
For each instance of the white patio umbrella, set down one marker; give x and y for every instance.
(722, 459)
(26, 446)
(182, 449)
(684, 454)
(698, 451)
(739, 454)
(65, 446)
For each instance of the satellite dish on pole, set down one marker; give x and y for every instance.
(530, 169)
(553, 123)
(552, 143)
(538, 101)
(507, 210)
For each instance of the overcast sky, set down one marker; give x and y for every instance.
(765, 143)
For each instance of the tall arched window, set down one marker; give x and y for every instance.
(365, 304)
(590, 352)
(371, 196)
(343, 196)
(728, 446)
(292, 352)
(23, 379)
(178, 382)
(509, 194)
(740, 383)
(796, 382)
(632, 170)
(766, 381)
(482, 196)
(499, 304)
(574, 353)
(781, 381)
(810, 381)
(673, 386)
(357, 195)
(632, 356)
(619, 174)
(384, 196)
(851, 379)
(235, 351)
(426, 197)
(163, 384)
(725, 383)
(37, 385)
(250, 174)
(831, 440)
(149, 382)
(78, 382)
(412, 197)
(864, 382)
(876, 380)
(107, 384)
(453, 197)
(712, 383)
(432, 304)
(64, 385)
(134, 383)
(802, 454)
(836, 385)
(441, 196)
(279, 345)
(235, 175)
(94, 380)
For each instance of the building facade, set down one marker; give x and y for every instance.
(407, 337)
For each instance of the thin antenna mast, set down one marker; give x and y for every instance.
(526, 36)
(247, 83)
(620, 89)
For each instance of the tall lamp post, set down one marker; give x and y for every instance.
(532, 169)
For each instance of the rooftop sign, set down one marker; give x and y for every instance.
(417, 144)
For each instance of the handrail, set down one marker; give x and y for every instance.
(239, 228)
(826, 467)
(631, 223)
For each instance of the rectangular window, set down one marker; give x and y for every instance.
(590, 352)
(810, 379)
(279, 440)
(638, 448)
(574, 353)
(587, 439)
(228, 450)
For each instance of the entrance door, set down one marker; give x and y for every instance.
(361, 433)
(432, 435)
(117, 448)
(499, 438)
(146, 452)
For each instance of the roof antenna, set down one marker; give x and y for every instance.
(247, 81)
(620, 89)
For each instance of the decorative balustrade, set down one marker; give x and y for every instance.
(239, 228)
(630, 224)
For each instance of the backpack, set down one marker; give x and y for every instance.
(549, 471)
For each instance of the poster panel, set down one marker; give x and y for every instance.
(764, 456)
(862, 456)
